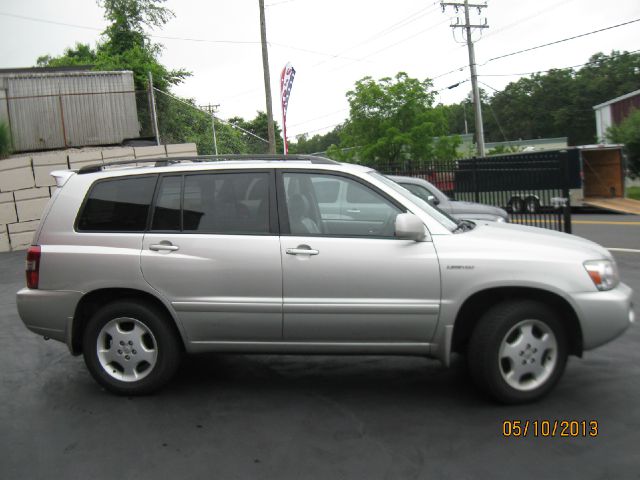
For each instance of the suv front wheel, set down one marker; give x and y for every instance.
(130, 348)
(518, 351)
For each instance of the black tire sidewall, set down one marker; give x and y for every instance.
(485, 345)
(165, 336)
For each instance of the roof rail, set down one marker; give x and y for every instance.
(165, 161)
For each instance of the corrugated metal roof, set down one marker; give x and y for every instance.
(61, 109)
(617, 99)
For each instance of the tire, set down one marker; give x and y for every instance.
(131, 348)
(517, 205)
(518, 351)
(532, 205)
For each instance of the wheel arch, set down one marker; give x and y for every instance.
(92, 301)
(477, 304)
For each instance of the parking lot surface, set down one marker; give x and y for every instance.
(295, 417)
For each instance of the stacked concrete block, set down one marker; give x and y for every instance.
(26, 184)
(30, 203)
(150, 152)
(117, 154)
(83, 158)
(5, 246)
(181, 150)
(15, 174)
(7, 209)
(21, 234)
(43, 165)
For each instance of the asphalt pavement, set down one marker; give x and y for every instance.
(298, 417)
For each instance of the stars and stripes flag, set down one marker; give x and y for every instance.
(286, 82)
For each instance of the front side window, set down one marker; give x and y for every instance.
(118, 205)
(324, 204)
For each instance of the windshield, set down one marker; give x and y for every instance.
(444, 218)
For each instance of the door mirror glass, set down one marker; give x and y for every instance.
(409, 227)
(433, 200)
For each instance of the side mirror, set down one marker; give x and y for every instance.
(432, 199)
(409, 227)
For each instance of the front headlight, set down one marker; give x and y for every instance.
(604, 273)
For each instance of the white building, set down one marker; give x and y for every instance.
(614, 111)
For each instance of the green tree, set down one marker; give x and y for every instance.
(258, 126)
(318, 143)
(628, 133)
(558, 103)
(393, 122)
(125, 45)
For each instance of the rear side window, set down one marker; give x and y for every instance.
(118, 205)
(220, 203)
(226, 203)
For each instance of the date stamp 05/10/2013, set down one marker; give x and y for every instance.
(550, 428)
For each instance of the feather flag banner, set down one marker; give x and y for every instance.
(286, 82)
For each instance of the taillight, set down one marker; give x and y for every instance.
(33, 266)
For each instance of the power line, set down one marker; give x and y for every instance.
(550, 69)
(561, 41)
(467, 26)
(536, 47)
(169, 37)
(525, 19)
(233, 125)
(390, 46)
(401, 23)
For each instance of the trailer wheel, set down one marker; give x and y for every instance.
(517, 205)
(532, 205)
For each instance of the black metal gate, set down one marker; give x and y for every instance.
(533, 187)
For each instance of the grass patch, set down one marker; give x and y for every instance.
(633, 192)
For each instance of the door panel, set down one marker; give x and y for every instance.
(222, 287)
(360, 290)
(216, 256)
(348, 279)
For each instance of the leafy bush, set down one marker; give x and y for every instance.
(5, 140)
(628, 133)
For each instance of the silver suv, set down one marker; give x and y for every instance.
(132, 266)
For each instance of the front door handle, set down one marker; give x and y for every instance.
(302, 250)
(163, 246)
(353, 210)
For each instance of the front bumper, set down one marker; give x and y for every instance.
(603, 315)
(48, 312)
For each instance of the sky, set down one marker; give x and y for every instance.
(332, 44)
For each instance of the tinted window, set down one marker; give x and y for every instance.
(226, 203)
(166, 214)
(119, 205)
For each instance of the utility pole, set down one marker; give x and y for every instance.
(467, 26)
(154, 112)
(212, 111)
(267, 82)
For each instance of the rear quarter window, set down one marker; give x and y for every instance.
(117, 205)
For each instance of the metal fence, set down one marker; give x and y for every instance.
(532, 187)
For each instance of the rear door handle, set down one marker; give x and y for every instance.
(162, 246)
(353, 210)
(302, 251)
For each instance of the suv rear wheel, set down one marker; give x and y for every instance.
(130, 348)
(518, 351)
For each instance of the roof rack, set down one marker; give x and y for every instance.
(164, 161)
